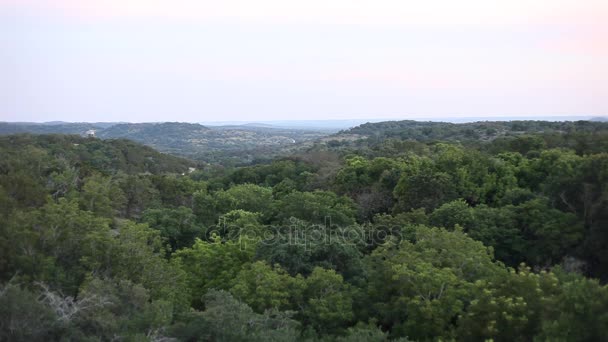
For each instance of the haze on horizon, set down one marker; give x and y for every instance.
(261, 60)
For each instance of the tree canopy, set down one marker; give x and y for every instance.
(410, 232)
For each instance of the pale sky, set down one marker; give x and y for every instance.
(254, 60)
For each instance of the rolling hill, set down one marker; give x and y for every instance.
(195, 141)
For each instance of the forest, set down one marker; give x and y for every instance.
(404, 231)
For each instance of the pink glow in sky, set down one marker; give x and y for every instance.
(199, 60)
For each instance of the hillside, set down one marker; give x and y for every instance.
(171, 137)
(50, 128)
(482, 130)
(391, 138)
(195, 141)
(87, 154)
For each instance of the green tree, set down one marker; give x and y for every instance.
(419, 289)
(319, 207)
(423, 187)
(176, 191)
(140, 194)
(110, 309)
(23, 317)
(212, 265)
(577, 313)
(227, 319)
(249, 197)
(451, 214)
(242, 225)
(50, 243)
(301, 247)
(550, 233)
(178, 226)
(102, 196)
(137, 255)
(327, 302)
(263, 287)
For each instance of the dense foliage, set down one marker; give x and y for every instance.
(390, 237)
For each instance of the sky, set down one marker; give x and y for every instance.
(260, 60)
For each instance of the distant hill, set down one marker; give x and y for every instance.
(171, 137)
(204, 143)
(167, 137)
(482, 130)
(330, 126)
(243, 143)
(256, 124)
(107, 156)
(96, 124)
(248, 142)
(42, 128)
